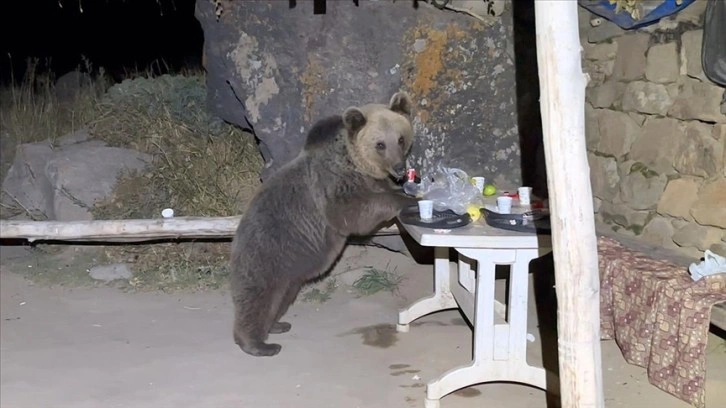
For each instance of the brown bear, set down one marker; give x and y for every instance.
(297, 224)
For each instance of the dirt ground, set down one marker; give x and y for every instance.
(90, 347)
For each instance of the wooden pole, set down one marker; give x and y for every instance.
(129, 230)
(574, 243)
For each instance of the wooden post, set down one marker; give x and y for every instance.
(574, 243)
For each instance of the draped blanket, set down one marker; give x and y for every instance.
(659, 317)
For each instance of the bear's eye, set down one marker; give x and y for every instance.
(380, 146)
(400, 140)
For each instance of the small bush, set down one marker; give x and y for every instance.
(201, 165)
(375, 280)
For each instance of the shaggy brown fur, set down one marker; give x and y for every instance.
(297, 224)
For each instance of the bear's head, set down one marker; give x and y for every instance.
(380, 136)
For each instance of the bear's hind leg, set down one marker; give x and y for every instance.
(253, 322)
(287, 300)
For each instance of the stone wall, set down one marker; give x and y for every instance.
(656, 131)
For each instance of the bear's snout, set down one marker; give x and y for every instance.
(400, 169)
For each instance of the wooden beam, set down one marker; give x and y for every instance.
(129, 230)
(562, 101)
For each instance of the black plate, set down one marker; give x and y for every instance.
(441, 219)
(533, 221)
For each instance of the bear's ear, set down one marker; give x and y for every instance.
(354, 120)
(401, 103)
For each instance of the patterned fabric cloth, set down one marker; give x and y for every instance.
(659, 317)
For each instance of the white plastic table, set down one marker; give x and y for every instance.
(499, 348)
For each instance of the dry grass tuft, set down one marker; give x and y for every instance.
(201, 166)
(31, 110)
(170, 267)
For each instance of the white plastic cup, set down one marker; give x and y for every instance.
(426, 209)
(479, 182)
(504, 204)
(525, 195)
(167, 213)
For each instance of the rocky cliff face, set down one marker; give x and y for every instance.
(278, 69)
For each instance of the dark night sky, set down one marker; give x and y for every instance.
(115, 34)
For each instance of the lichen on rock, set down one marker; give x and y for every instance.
(258, 70)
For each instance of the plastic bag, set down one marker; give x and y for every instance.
(712, 264)
(450, 189)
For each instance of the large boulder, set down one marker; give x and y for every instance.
(276, 69)
(70, 85)
(64, 181)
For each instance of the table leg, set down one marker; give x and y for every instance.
(467, 275)
(442, 299)
(499, 349)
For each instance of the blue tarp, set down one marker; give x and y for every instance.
(604, 9)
